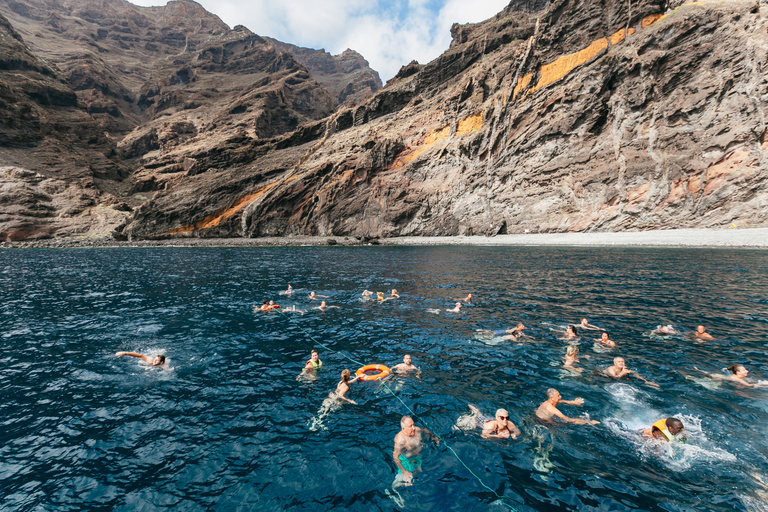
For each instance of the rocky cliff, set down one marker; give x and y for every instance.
(565, 115)
(130, 82)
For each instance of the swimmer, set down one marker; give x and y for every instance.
(158, 360)
(467, 299)
(264, 305)
(702, 334)
(570, 333)
(584, 324)
(323, 306)
(289, 290)
(506, 334)
(343, 386)
(738, 376)
(665, 330)
(408, 446)
(457, 309)
(380, 297)
(605, 340)
(313, 296)
(571, 356)
(406, 366)
(312, 365)
(665, 430)
(292, 309)
(393, 294)
(619, 370)
(367, 293)
(514, 334)
(269, 306)
(548, 410)
(498, 428)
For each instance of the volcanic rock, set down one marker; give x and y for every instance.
(565, 116)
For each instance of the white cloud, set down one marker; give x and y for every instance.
(388, 33)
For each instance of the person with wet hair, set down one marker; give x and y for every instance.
(158, 360)
(665, 430)
(571, 356)
(571, 332)
(739, 375)
(548, 410)
(343, 386)
(456, 309)
(405, 367)
(605, 340)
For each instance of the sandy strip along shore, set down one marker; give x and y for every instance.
(704, 238)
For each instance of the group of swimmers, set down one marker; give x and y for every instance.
(409, 441)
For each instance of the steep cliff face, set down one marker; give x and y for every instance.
(566, 116)
(43, 128)
(347, 76)
(101, 90)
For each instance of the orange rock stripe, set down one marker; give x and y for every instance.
(230, 211)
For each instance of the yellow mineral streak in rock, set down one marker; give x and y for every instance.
(620, 35)
(470, 124)
(521, 84)
(562, 66)
(466, 125)
(228, 212)
(650, 20)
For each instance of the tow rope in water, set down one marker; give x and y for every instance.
(502, 499)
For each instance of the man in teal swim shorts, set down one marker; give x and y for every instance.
(408, 445)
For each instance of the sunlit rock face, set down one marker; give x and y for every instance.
(548, 117)
(569, 116)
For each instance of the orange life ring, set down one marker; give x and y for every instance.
(383, 372)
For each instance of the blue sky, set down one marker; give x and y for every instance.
(388, 33)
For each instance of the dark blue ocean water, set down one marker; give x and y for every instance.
(231, 428)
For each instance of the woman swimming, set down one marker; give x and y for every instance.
(739, 376)
(343, 386)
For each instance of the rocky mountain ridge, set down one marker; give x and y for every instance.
(551, 116)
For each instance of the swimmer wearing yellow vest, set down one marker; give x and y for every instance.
(665, 430)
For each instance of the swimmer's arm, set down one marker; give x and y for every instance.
(575, 401)
(652, 384)
(432, 436)
(513, 430)
(134, 354)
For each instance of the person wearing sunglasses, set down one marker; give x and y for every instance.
(500, 427)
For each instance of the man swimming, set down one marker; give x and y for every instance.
(605, 340)
(406, 366)
(313, 296)
(408, 446)
(323, 306)
(619, 370)
(702, 334)
(665, 430)
(367, 293)
(289, 290)
(393, 294)
(158, 360)
(548, 410)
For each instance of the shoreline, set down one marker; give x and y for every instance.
(707, 238)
